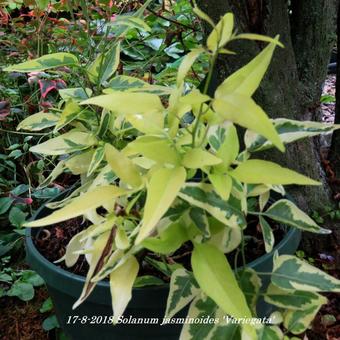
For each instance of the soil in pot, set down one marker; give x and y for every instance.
(52, 241)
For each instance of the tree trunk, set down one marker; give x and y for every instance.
(335, 148)
(293, 84)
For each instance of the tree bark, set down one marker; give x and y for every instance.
(293, 84)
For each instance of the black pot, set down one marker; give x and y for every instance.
(91, 318)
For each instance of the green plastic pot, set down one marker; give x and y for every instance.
(91, 318)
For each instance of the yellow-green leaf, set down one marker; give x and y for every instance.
(221, 33)
(256, 171)
(121, 283)
(242, 110)
(79, 164)
(222, 184)
(187, 63)
(161, 192)
(198, 158)
(216, 278)
(80, 205)
(69, 113)
(122, 166)
(247, 79)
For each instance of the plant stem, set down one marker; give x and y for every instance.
(205, 91)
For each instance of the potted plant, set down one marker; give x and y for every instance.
(142, 202)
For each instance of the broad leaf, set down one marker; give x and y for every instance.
(45, 62)
(215, 277)
(287, 212)
(203, 196)
(70, 112)
(289, 131)
(183, 288)
(291, 273)
(79, 164)
(242, 110)
(80, 205)
(221, 33)
(256, 171)
(203, 308)
(161, 192)
(38, 121)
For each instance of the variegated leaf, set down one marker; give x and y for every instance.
(268, 235)
(97, 256)
(250, 283)
(38, 121)
(269, 333)
(287, 212)
(45, 62)
(297, 321)
(200, 220)
(77, 94)
(70, 112)
(96, 159)
(203, 307)
(291, 273)
(183, 288)
(296, 300)
(289, 131)
(79, 164)
(203, 196)
(67, 143)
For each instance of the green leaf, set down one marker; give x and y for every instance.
(161, 192)
(198, 158)
(42, 4)
(29, 276)
(38, 121)
(203, 196)
(287, 212)
(296, 300)
(80, 205)
(221, 33)
(50, 323)
(68, 142)
(5, 204)
(246, 80)
(291, 273)
(289, 131)
(121, 283)
(203, 16)
(203, 308)
(169, 240)
(122, 166)
(17, 217)
(269, 333)
(268, 236)
(46, 306)
(256, 171)
(147, 280)
(45, 62)
(105, 65)
(183, 288)
(242, 110)
(77, 94)
(131, 22)
(24, 291)
(215, 277)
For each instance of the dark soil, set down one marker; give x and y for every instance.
(21, 320)
(52, 241)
